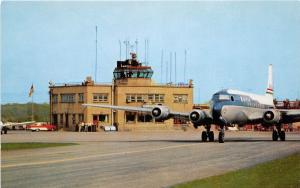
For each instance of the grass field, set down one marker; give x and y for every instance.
(280, 173)
(31, 145)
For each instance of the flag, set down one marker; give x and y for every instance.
(31, 90)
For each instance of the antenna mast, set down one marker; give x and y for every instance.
(145, 56)
(170, 66)
(175, 68)
(161, 66)
(184, 65)
(96, 54)
(136, 47)
(120, 50)
(147, 52)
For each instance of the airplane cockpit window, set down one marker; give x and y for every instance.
(224, 97)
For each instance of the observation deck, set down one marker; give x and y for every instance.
(132, 68)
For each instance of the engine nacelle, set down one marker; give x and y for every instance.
(272, 116)
(160, 113)
(197, 116)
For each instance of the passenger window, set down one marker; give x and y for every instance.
(232, 99)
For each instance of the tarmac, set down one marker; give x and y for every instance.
(134, 159)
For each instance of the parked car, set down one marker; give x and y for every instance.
(41, 127)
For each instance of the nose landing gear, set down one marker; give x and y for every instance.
(208, 134)
(222, 134)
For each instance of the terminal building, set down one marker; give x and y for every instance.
(132, 86)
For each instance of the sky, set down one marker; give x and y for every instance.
(229, 44)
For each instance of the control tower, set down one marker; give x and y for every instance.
(131, 71)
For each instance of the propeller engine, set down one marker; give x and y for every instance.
(160, 113)
(197, 116)
(272, 116)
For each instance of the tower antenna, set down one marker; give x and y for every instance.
(170, 66)
(125, 43)
(136, 46)
(161, 66)
(120, 50)
(147, 52)
(96, 54)
(185, 52)
(175, 67)
(145, 56)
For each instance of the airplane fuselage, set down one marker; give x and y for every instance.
(235, 107)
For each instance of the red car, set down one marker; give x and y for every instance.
(41, 127)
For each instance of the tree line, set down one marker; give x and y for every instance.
(15, 112)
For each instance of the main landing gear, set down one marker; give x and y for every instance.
(278, 133)
(208, 134)
(222, 134)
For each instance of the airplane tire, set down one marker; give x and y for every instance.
(275, 135)
(282, 135)
(204, 136)
(221, 137)
(211, 136)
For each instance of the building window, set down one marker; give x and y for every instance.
(130, 117)
(103, 118)
(134, 98)
(143, 117)
(139, 98)
(80, 117)
(180, 98)
(159, 98)
(100, 97)
(61, 118)
(67, 98)
(80, 97)
(54, 98)
(73, 119)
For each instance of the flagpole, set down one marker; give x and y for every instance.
(32, 116)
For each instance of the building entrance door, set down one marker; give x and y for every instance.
(67, 120)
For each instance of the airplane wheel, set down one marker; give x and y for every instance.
(275, 135)
(282, 135)
(211, 136)
(204, 136)
(221, 137)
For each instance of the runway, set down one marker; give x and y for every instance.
(134, 159)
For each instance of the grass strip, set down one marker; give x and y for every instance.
(278, 173)
(31, 145)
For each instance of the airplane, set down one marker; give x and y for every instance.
(228, 107)
(5, 126)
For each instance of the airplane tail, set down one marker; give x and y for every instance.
(269, 91)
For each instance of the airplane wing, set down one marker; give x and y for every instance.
(180, 115)
(21, 123)
(126, 108)
(289, 116)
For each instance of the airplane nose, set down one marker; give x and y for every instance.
(217, 111)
